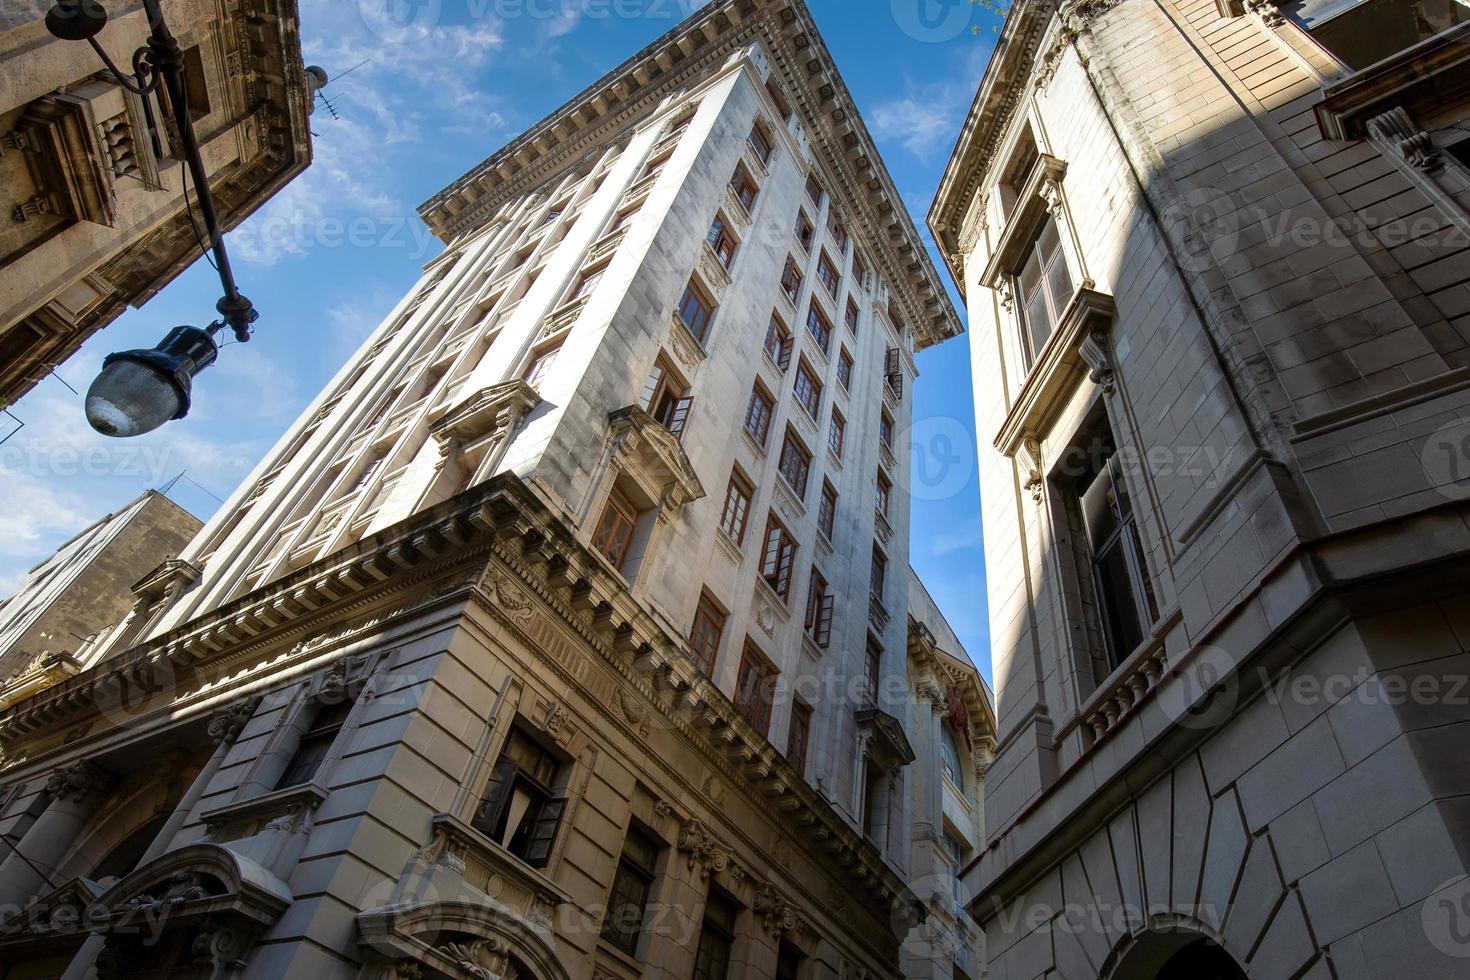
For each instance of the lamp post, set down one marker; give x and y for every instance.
(140, 390)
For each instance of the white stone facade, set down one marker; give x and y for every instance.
(1216, 276)
(450, 638)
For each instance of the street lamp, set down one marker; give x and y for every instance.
(140, 390)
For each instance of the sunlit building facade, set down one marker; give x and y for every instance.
(567, 634)
(1214, 257)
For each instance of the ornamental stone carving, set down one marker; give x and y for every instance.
(226, 724)
(704, 853)
(1395, 128)
(776, 914)
(75, 782)
(485, 958)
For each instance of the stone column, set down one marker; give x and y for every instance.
(678, 908)
(28, 870)
(930, 816)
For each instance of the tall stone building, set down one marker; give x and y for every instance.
(93, 216)
(952, 721)
(52, 622)
(566, 635)
(1215, 266)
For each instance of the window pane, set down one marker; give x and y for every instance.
(1120, 605)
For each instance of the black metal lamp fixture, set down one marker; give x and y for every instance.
(140, 390)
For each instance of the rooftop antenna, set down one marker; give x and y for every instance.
(321, 95)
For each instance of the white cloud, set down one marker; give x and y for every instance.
(920, 126)
(967, 536)
(396, 86)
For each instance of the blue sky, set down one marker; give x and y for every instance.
(448, 82)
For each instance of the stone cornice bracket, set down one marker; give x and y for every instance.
(226, 724)
(1395, 128)
(1094, 350)
(1029, 456)
(77, 781)
(1265, 11)
(704, 852)
(776, 914)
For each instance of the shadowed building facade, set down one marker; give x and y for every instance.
(63, 607)
(93, 217)
(1215, 263)
(567, 632)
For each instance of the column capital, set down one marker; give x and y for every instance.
(225, 725)
(76, 781)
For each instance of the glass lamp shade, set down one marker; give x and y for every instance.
(139, 390)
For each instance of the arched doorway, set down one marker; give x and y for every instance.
(1175, 948)
(1202, 959)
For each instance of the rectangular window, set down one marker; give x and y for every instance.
(872, 670)
(696, 309)
(819, 326)
(736, 512)
(722, 241)
(716, 939)
(664, 397)
(744, 187)
(827, 272)
(628, 900)
(804, 231)
(316, 741)
(844, 370)
(797, 736)
(807, 389)
(791, 280)
(878, 574)
(705, 635)
(758, 415)
(814, 190)
(838, 230)
(885, 430)
(520, 810)
(883, 490)
(540, 366)
(615, 529)
(588, 281)
(796, 464)
(761, 143)
(827, 510)
(819, 601)
(755, 689)
(1043, 286)
(893, 371)
(1120, 575)
(837, 433)
(850, 316)
(859, 270)
(779, 557)
(783, 108)
(1364, 32)
(778, 343)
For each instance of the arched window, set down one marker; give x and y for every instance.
(126, 854)
(949, 757)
